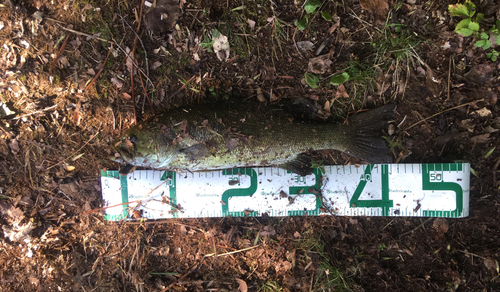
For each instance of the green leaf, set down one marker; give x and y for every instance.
(464, 31)
(459, 10)
(326, 16)
(484, 36)
(312, 5)
(473, 172)
(301, 23)
(489, 152)
(498, 40)
(311, 80)
(480, 43)
(474, 26)
(239, 8)
(464, 23)
(479, 17)
(497, 24)
(485, 44)
(339, 79)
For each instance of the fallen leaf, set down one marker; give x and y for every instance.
(14, 146)
(379, 8)
(243, 285)
(296, 235)
(341, 92)
(156, 65)
(251, 23)
(484, 113)
(11, 214)
(116, 82)
(126, 96)
(305, 46)
(440, 225)
(334, 26)
(491, 264)
(319, 65)
(479, 139)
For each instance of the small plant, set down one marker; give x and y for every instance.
(208, 43)
(470, 27)
(339, 79)
(310, 7)
(311, 80)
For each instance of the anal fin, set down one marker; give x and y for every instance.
(300, 165)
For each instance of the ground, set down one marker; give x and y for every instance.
(66, 78)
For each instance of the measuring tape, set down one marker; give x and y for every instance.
(415, 190)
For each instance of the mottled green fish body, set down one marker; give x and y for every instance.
(227, 135)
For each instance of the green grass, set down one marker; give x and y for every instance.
(327, 277)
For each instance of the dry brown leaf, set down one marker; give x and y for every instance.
(156, 65)
(243, 285)
(341, 92)
(441, 225)
(480, 139)
(379, 8)
(334, 26)
(319, 65)
(491, 264)
(126, 96)
(14, 146)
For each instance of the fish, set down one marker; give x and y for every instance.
(225, 135)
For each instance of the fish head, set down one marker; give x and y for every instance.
(147, 148)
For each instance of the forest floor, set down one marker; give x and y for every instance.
(66, 93)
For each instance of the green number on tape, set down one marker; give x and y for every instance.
(432, 180)
(171, 177)
(239, 192)
(366, 177)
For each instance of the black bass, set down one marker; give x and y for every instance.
(228, 135)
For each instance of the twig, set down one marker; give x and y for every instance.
(85, 34)
(183, 86)
(132, 87)
(472, 254)
(37, 112)
(91, 138)
(231, 252)
(449, 80)
(495, 168)
(184, 276)
(455, 107)
(100, 71)
(58, 55)
(297, 47)
(416, 228)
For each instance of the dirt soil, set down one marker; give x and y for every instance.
(66, 92)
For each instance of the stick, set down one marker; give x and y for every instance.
(231, 252)
(455, 107)
(37, 112)
(84, 34)
(100, 71)
(416, 228)
(58, 55)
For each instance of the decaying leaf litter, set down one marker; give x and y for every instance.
(56, 130)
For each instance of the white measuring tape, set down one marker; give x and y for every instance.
(425, 190)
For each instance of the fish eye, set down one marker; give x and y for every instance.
(132, 139)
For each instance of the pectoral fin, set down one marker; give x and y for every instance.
(301, 165)
(195, 152)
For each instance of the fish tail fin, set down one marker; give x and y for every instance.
(366, 142)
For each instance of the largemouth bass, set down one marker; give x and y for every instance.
(227, 135)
